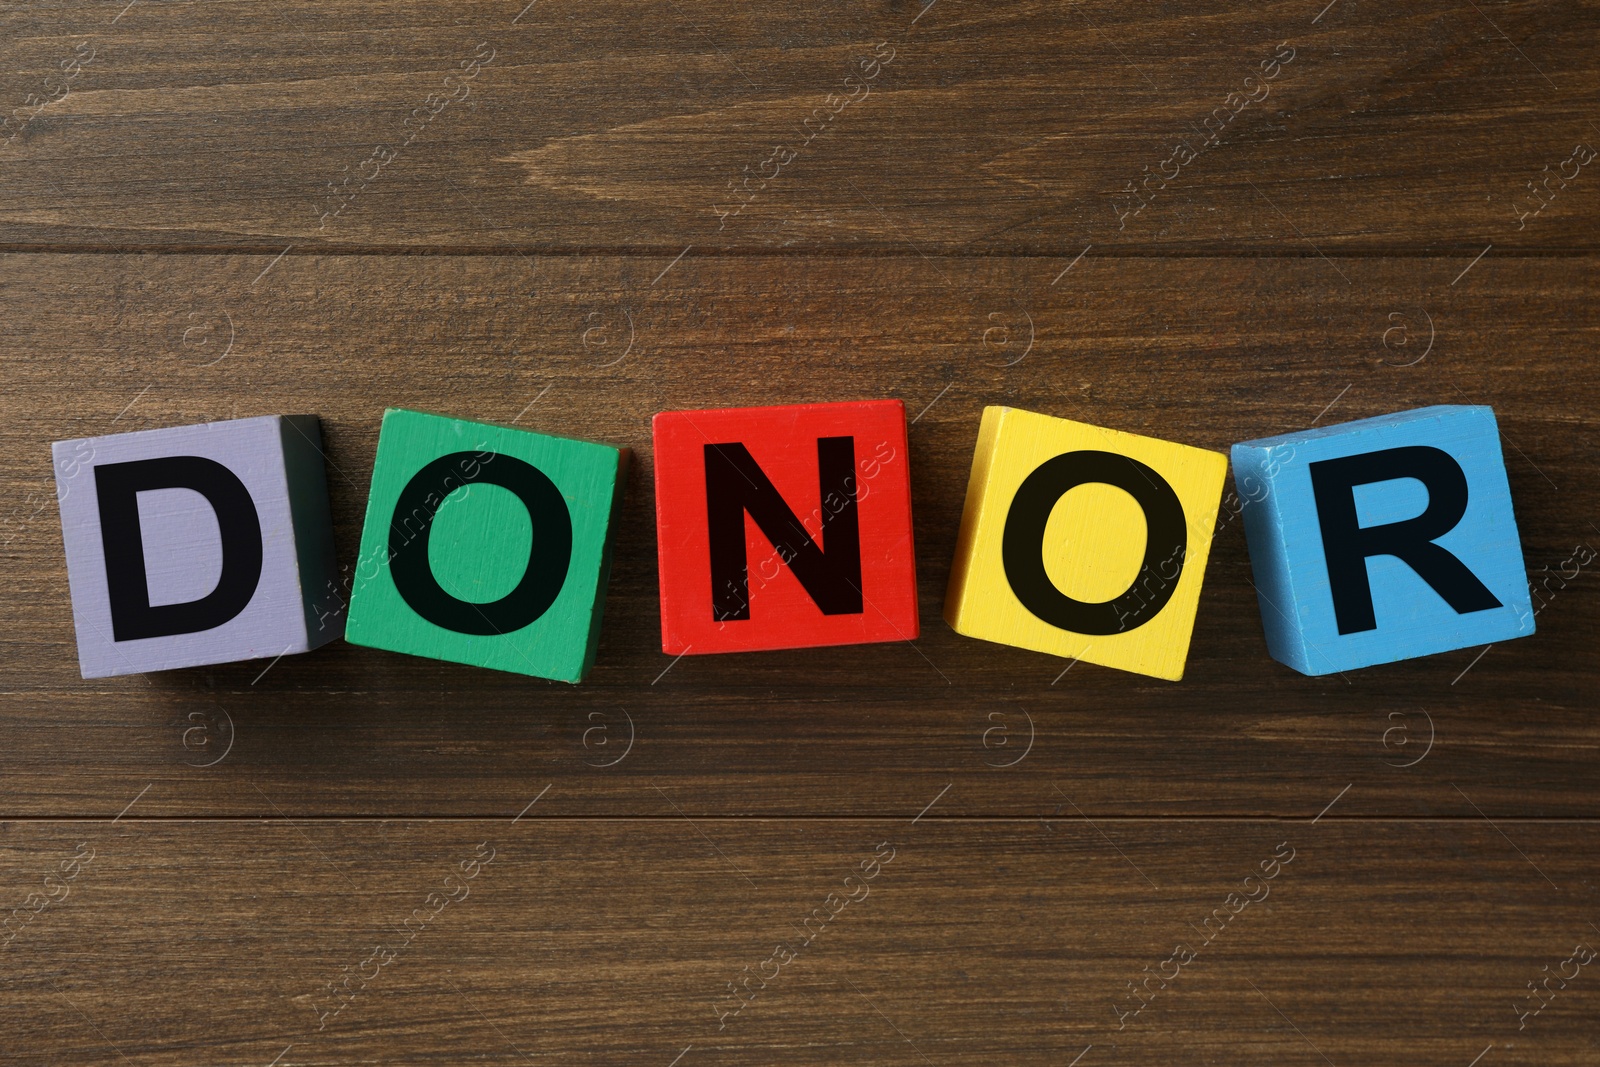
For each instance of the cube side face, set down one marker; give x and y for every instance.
(1398, 469)
(322, 600)
(187, 503)
(1255, 470)
(971, 509)
(474, 521)
(828, 466)
(1086, 513)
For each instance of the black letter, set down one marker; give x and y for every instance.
(1021, 546)
(1347, 545)
(117, 487)
(548, 560)
(735, 484)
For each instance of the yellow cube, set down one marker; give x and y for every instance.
(1084, 542)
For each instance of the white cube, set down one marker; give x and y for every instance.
(198, 544)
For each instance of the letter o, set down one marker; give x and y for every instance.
(548, 558)
(1021, 549)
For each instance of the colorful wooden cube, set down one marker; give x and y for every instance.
(197, 544)
(486, 545)
(1084, 542)
(1383, 539)
(784, 527)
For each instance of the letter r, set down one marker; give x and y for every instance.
(1346, 544)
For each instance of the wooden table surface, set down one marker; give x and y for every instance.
(1206, 222)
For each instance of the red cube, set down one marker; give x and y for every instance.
(784, 527)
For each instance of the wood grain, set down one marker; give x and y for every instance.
(592, 346)
(1203, 222)
(587, 941)
(1014, 128)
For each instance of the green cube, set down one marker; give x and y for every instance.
(486, 545)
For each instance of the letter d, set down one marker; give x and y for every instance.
(117, 487)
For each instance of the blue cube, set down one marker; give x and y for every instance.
(1383, 539)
